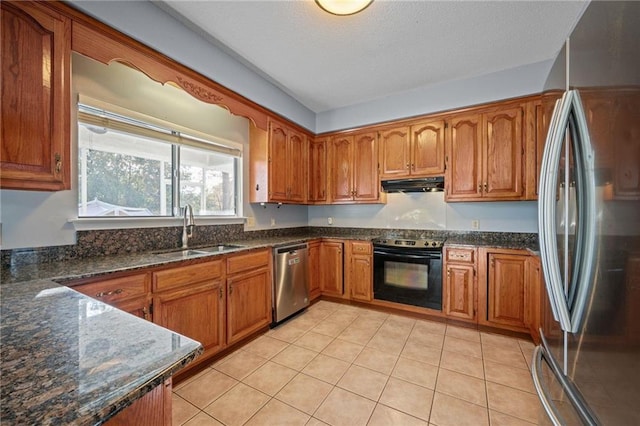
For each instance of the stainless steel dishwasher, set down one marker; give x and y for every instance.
(290, 286)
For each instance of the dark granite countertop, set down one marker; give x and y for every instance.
(69, 359)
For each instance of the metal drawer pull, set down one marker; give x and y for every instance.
(109, 293)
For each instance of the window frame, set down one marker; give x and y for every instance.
(137, 124)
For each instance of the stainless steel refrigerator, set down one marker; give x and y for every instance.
(587, 368)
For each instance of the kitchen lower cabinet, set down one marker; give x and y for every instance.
(248, 294)
(359, 275)
(190, 300)
(314, 269)
(196, 311)
(130, 293)
(153, 409)
(331, 268)
(506, 296)
(460, 283)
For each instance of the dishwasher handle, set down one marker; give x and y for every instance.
(290, 249)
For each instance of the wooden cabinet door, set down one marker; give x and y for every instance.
(314, 270)
(600, 109)
(35, 110)
(196, 311)
(506, 290)
(361, 277)
(459, 291)
(341, 164)
(248, 303)
(297, 166)
(365, 167)
(464, 159)
(395, 153)
(626, 140)
(533, 296)
(278, 167)
(331, 268)
(153, 409)
(317, 171)
(542, 116)
(503, 153)
(427, 148)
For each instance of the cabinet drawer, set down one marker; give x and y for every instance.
(115, 289)
(360, 247)
(461, 255)
(245, 262)
(184, 275)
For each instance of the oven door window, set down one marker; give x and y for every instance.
(406, 275)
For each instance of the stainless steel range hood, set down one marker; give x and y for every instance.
(428, 184)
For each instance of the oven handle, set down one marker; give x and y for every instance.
(409, 256)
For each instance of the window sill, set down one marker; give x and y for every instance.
(122, 222)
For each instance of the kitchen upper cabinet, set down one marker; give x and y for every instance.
(395, 153)
(486, 156)
(287, 164)
(626, 134)
(35, 107)
(331, 268)
(540, 112)
(248, 294)
(317, 171)
(314, 269)
(190, 300)
(460, 283)
(359, 275)
(130, 293)
(353, 162)
(464, 158)
(413, 151)
(278, 164)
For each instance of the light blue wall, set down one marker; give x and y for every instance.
(429, 211)
(511, 83)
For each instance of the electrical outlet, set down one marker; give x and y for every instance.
(273, 221)
(251, 221)
(330, 220)
(475, 224)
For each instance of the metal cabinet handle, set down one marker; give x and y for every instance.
(407, 165)
(230, 288)
(485, 187)
(479, 187)
(448, 273)
(145, 313)
(221, 293)
(109, 293)
(413, 166)
(58, 163)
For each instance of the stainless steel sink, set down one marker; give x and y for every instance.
(220, 248)
(183, 254)
(187, 253)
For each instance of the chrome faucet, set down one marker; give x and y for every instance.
(188, 225)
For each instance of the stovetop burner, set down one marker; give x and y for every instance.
(409, 243)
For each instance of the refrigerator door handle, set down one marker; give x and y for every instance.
(543, 393)
(587, 214)
(547, 210)
(568, 310)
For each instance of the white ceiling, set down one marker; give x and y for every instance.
(327, 62)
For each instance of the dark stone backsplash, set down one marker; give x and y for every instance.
(138, 240)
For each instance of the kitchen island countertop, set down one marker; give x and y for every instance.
(69, 359)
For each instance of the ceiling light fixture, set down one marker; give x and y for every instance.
(343, 7)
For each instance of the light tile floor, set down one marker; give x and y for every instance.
(344, 365)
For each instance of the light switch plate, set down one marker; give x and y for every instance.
(251, 221)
